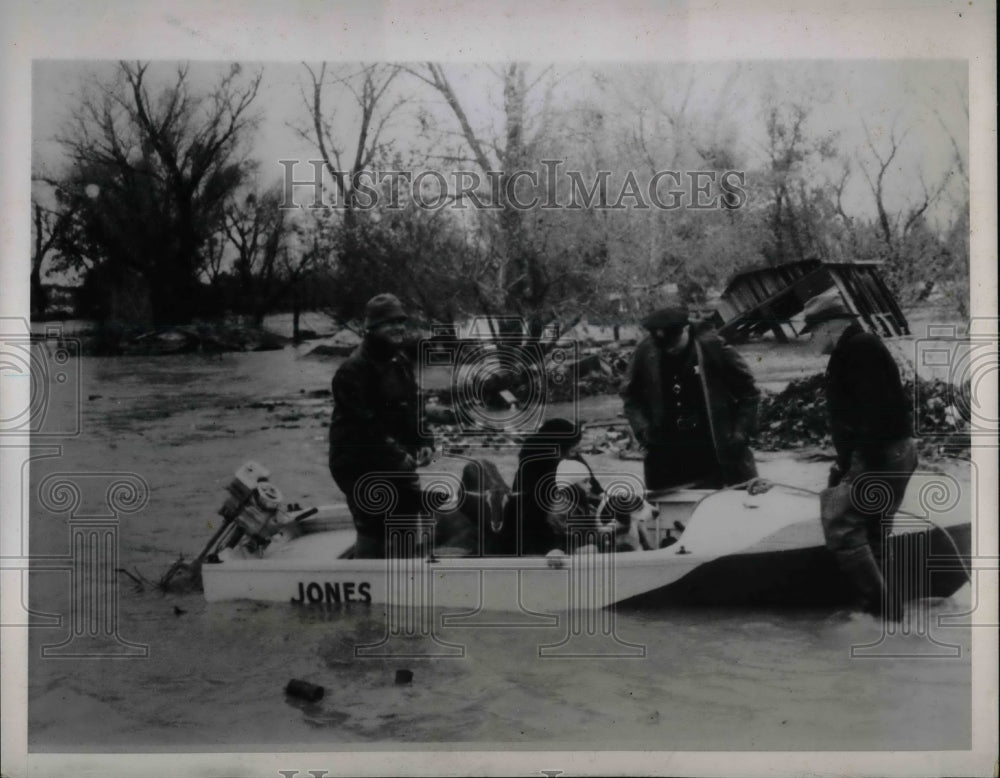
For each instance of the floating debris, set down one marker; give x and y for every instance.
(404, 676)
(304, 690)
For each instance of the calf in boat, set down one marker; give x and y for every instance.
(483, 519)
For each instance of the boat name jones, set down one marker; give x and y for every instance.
(333, 592)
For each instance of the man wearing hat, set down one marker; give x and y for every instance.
(375, 429)
(872, 433)
(692, 402)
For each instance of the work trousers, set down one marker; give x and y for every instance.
(858, 511)
(372, 498)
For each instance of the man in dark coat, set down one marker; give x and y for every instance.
(375, 427)
(536, 484)
(692, 402)
(872, 433)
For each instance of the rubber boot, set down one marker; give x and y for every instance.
(860, 567)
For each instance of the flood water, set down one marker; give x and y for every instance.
(214, 674)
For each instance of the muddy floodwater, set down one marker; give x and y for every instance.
(212, 676)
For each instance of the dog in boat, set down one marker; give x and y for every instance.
(616, 523)
(627, 515)
(609, 520)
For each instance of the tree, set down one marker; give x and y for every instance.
(257, 228)
(421, 256)
(350, 144)
(307, 254)
(514, 275)
(675, 121)
(151, 170)
(350, 108)
(48, 226)
(796, 211)
(911, 250)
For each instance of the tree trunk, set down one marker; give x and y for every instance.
(173, 296)
(295, 314)
(39, 295)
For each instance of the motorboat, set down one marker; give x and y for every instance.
(729, 547)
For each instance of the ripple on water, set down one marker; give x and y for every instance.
(709, 679)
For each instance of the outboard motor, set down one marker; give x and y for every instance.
(252, 506)
(251, 511)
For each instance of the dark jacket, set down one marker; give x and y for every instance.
(534, 495)
(864, 394)
(376, 412)
(729, 392)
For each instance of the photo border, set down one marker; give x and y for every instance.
(399, 31)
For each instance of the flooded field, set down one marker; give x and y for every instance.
(212, 677)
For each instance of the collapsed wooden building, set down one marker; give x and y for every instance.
(768, 299)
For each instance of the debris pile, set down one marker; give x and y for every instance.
(561, 375)
(561, 388)
(598, 370)
(200, 338)
(341, 344)
(614, 438)
(793, 419)
(797, 417)
(942, 417)
(611, 438)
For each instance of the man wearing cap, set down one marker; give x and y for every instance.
(692, 402)
(375, 429)
(872, 433)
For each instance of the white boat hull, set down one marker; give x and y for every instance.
(736, 549)
(536, 584)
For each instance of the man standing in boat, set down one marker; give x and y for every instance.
(872, 433)
(375, 430)
(691, 401)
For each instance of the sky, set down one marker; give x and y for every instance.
(921, 97)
